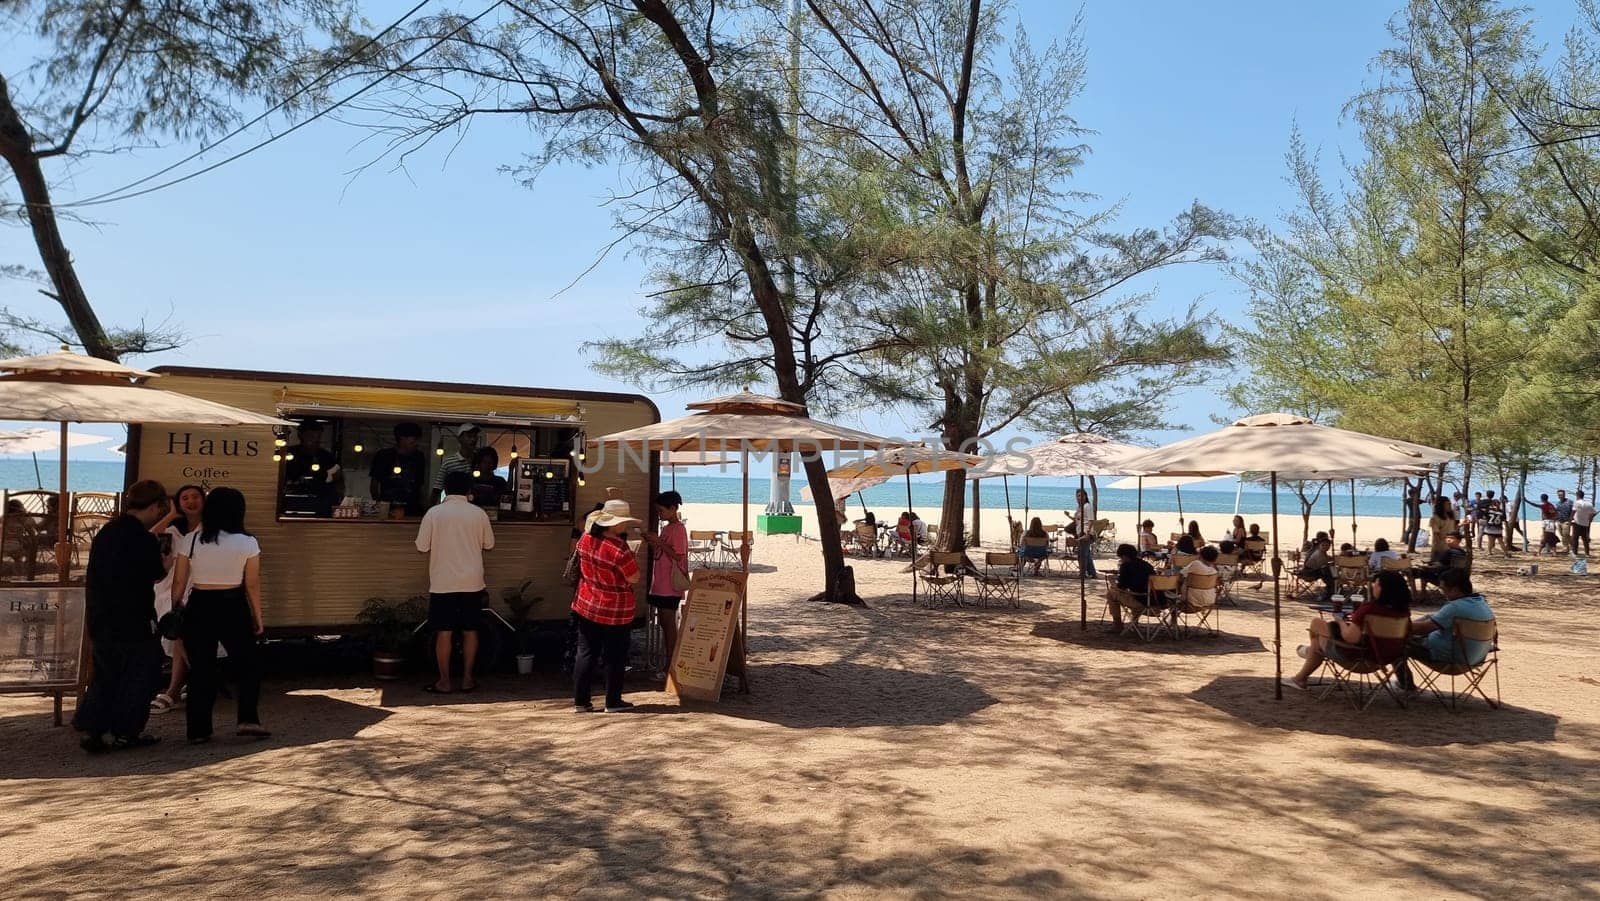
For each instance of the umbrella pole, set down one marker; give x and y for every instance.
(1277, 596)
(1353, 525)
(1027, 487)
(912, 525)
(1005, 482)
(38, 479)
(1179, 489)
(744, 555)
(1083, 554)
(1138, 509)
(63, 513)
(1330, 508)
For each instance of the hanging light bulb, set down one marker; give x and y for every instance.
(476, 474)
(277, 458)
(316, 467)
(581, 482)
(279, 442)
(582, 456)
(357, 448)
(288, 456)
(397, 470)
(549, 475)
(438, 452)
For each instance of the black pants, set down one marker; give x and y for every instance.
(595, 640)
(212, 617)
(126, 676)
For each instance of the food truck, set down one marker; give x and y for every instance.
(328, 545)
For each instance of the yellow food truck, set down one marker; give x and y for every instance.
(330, 540)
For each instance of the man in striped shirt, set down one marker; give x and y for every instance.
(467, 436)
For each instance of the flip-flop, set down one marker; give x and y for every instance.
(1290, 683)
(433, 689)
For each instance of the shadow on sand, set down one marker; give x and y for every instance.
(1101, 638)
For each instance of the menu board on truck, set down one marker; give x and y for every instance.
(707, 634)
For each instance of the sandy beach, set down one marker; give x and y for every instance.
(890, 750)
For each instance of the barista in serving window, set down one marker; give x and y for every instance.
(487, 488)
(400, 473)
(310, 469)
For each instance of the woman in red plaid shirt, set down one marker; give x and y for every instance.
(604, 605)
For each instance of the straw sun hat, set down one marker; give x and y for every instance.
(614, 513)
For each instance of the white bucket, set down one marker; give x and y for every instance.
(524, 664)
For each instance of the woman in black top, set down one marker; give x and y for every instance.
(1133, 576)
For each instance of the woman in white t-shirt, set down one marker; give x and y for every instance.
(1204, 564)
(183, 519)
(222, 562)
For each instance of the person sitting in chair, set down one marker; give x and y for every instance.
(1442, 560)
(1433, 635)
(1034, 553)
(1318, 566)
(1148, 545)
(1133, 576)
(1205, 564)
(1390, 596)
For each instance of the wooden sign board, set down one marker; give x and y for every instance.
(708, 635)
(40, 631)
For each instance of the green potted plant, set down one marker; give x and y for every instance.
(520, 601)
(391, 624)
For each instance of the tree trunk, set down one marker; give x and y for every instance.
(840, 587)
(977, 513)
(952, 516)
(16, 148)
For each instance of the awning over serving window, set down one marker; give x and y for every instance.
(429, 406)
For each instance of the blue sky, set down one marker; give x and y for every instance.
(451, 271)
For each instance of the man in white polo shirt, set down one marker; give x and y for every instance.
(454, 534)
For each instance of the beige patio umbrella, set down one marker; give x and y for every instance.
(908, 461)
(1281, 442)
(67, 387)
(1080, 454)
(31, 441)
(741, 424)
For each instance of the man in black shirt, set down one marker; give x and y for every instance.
(119, 592)
(398, 473)
(1133, 576)
(310, 469)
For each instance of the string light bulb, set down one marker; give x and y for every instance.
(476, 474)
(279, 442)
(397, 470)
(288, 456)
(316, 467)
(358, 448)
(581, 482)
(277, 458)
(549, 475)
(438, 452)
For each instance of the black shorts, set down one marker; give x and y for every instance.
(457, 611)
(663, 601)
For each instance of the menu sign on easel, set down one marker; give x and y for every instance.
(707, 634)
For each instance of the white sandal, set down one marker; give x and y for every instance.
(162, 703)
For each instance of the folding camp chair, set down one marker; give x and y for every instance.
(866, 535)
(1036, 553)
(1139, 610)
(1227, 571)
(1465, 630)
(1350, 575)
(948, 585)
(735, 548)
(1363, 677)
(1192, 602)
(702, 548)
(1253, 559)
(1001, 579)
(1105, 538)
(1069, 551)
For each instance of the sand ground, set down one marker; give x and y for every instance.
(887, 751)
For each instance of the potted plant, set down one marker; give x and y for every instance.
(391, 624)
(521, 602)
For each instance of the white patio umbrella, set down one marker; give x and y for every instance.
(915, 459)
(31, 441)
(742, 424)
(1080, 454)
(67, 387)
(1281, 442)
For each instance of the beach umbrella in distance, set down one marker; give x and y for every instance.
(1081, 454)
(31, 441)
(742, 424)
(1274, 443)
(67, 387)
(907, 461)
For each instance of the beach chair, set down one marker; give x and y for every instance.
(1364, 677)
(1105, 538)
(1473, 674)
(1001, 579)
(1179, 561)
(82, 530)
(703, 548)
(1350, 575)
(1069, 551)
(866, 539)
(100, 502)
(1253, 560)
(1038, 554)
(734, 549)
(1227, 572)
(1395, 565)
(945, 585)
(1195, 605)
(1149, 615)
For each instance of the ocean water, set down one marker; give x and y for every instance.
(927, 494)
(107, 475)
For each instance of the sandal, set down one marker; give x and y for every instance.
(162, 703)
(124, 742)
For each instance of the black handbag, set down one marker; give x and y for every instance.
(171, 624)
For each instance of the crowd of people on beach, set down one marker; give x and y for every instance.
(1564, 523)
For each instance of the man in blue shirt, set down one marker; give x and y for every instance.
(1436, 630)
(1564, 521)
